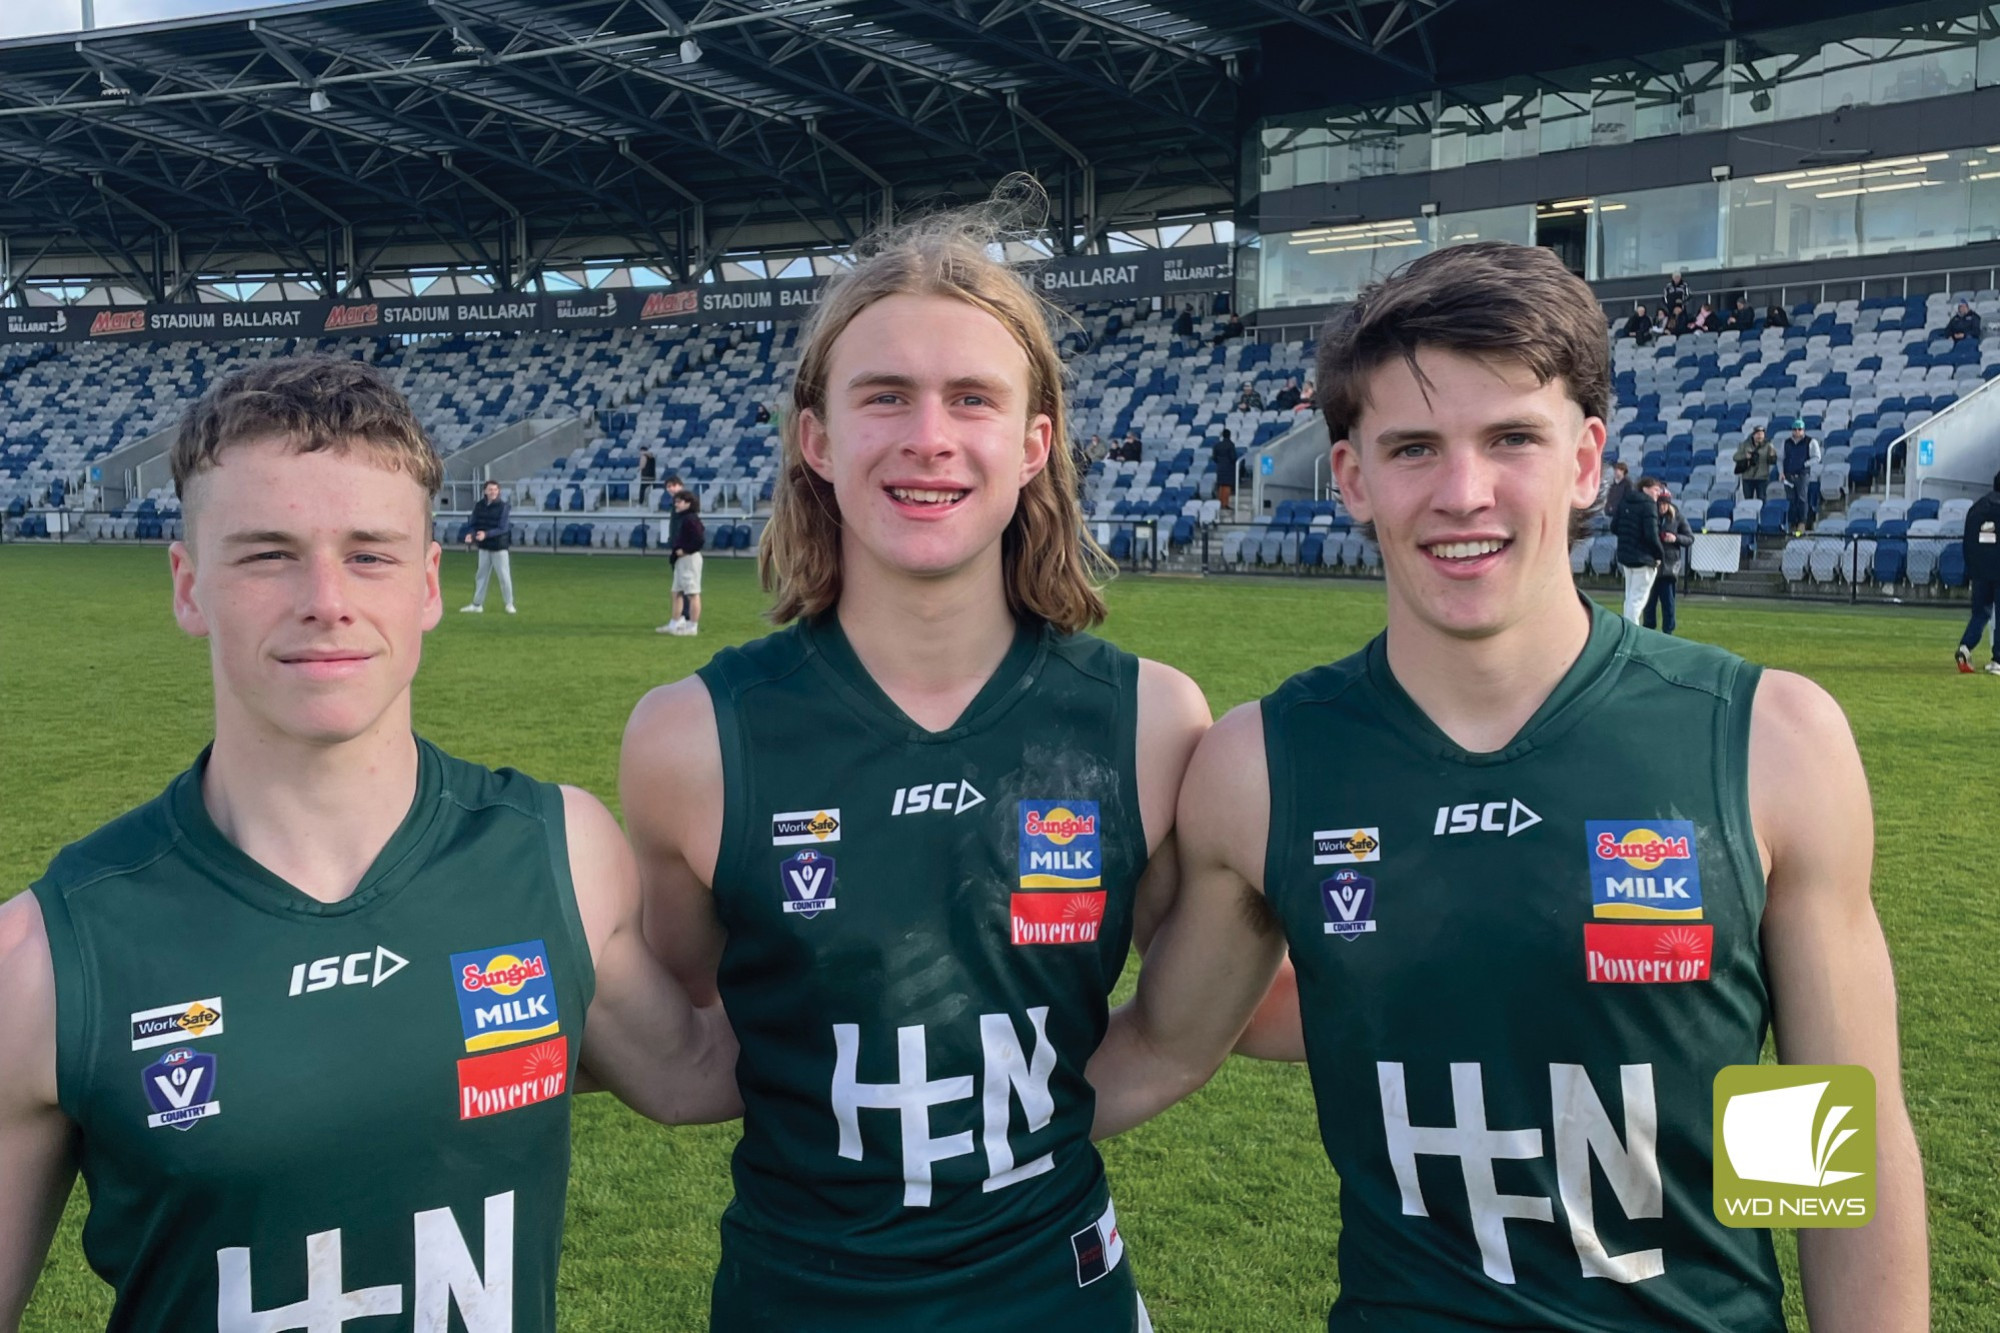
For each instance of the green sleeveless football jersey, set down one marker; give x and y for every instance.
(923, 930)
(1519, 974)
(345, 1117)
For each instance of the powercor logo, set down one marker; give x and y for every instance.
(505, 995)
(510, 1080)
(1060, 847)
(1794, 1146)
(1667, 885)
(1056, 918)
(1647, 955)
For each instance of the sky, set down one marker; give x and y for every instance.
(30, 18)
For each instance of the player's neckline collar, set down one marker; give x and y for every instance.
(1015, 674)
(258, 885)
(1587, 680)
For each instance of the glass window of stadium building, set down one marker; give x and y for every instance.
(1334, 189)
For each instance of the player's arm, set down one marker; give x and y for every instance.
(1833, 994)
(35, 1159)
(1214, 951)
(670, 788)
(643, 1040)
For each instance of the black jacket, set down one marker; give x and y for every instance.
(1637, 527)
(1982, 558)
(1673, 563)
(1966, 324)
(493, 518)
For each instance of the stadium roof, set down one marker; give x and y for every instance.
(340, 135)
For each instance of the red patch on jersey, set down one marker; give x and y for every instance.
(1647, 955)
(509, 1080)
(1057, 918)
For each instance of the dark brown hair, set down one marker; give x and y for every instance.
(312, 403)
(1489, 299)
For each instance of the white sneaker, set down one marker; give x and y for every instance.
(1992, 668)
(691, 628)
(671, 627)
(475, 608)
(510, 608)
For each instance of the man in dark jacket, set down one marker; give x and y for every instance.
(1675, 539)
(1636, 524)
(1639, 328)
(1963, 325)
(1614, 493)
(1184, 323)
(685, 541)
(491, 534)
(1982, 567)
(1798, 461)
(1224, 454)
(1743, 318)
(649, 471)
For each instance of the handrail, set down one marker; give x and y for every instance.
(1927, 424)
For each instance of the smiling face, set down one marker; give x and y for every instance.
(927, 436)
(1471, 481)
(313, 577)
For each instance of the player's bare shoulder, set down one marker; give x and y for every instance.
(1225, 804)
(1173, 714)
(1808, 793)
(670, 778)
(28, 998)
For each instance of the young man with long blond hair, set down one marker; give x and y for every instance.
(910, 837)
(309, 1021)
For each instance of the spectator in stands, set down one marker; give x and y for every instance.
(1755, 458)
(1776, 318)
(1963, 325)
(1615, 489)
(1663, 323)
(1184, 322)
(1677, 320)
(1224, 454)
(1131, 449)
(490, 531)
(1232, 329)
(649, 470)
(1636, 524)
(763, 415)
(687, 537)
(1704, 320)
(1305, 398)
(1249, 400)
(1799, 464)
(1638, 328)
(1676, 293)
(1743, 318)
(1982, 568)
(1287, 398)
(1095, 450)
(1675, 539)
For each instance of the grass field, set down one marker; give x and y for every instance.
(1227, 1202)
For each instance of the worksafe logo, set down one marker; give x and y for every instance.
(1794, 1146)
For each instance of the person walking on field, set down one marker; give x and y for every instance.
(490, 533)
(685, 543)
(1640, 551)
(1982, 568)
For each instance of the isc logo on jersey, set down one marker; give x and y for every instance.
(1643, 870)
(1060, 849)
(505, 995)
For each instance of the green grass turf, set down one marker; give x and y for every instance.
(1227, 1201)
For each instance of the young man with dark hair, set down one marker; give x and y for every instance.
(1513, 1052)
(1798, 464)
(489, 532)
(309, 1021)
(1982, 567)
(685, 547)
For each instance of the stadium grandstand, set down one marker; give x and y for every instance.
(580, 231)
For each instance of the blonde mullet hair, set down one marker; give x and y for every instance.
(1052, 568)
